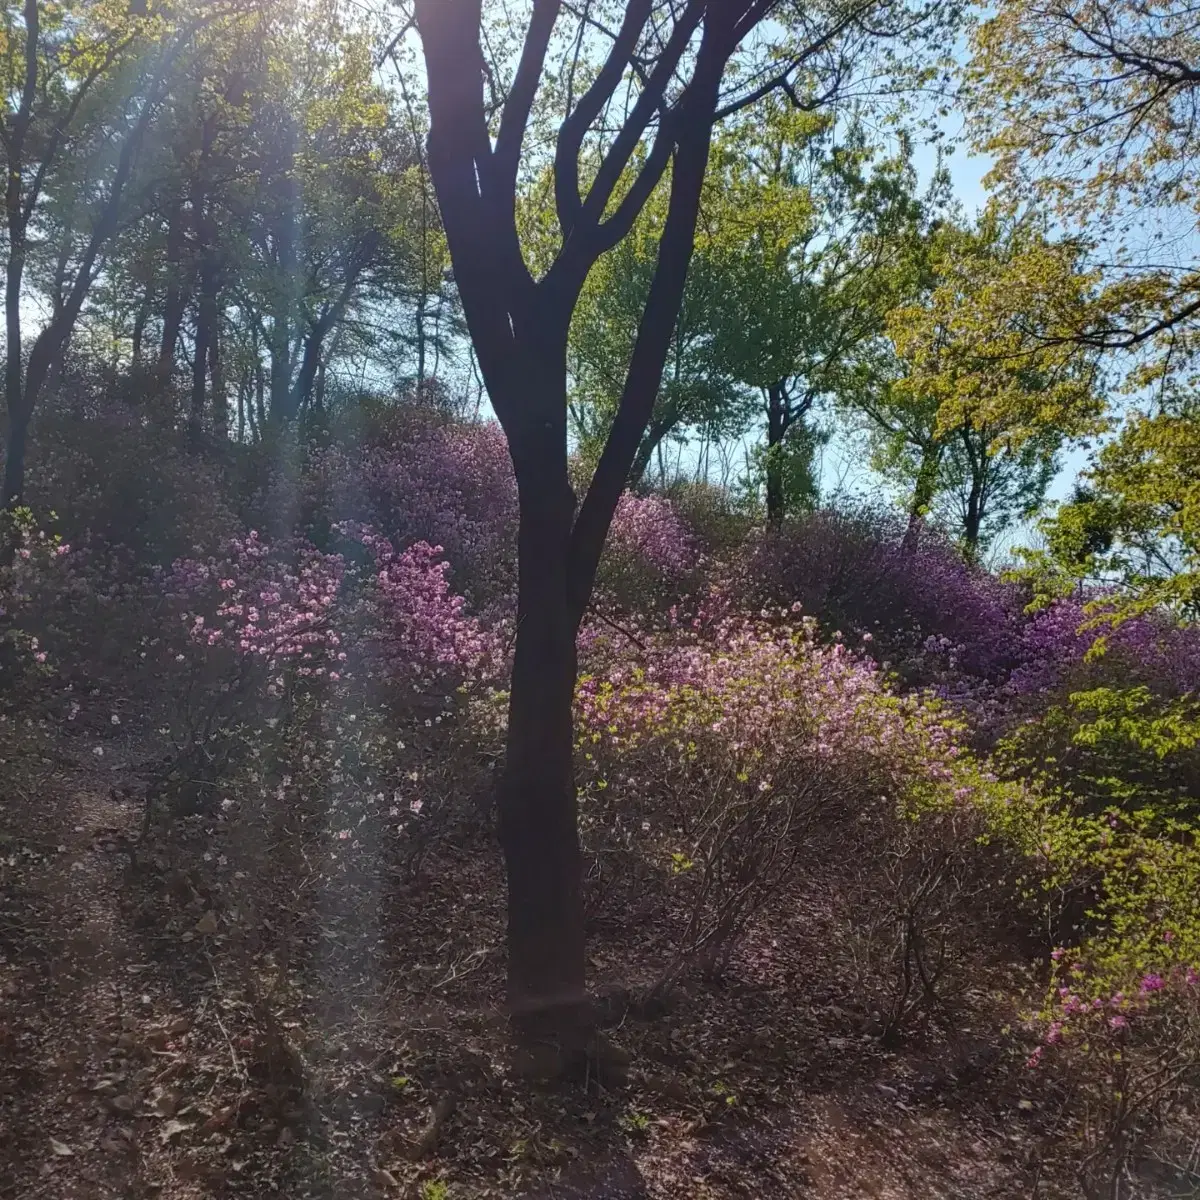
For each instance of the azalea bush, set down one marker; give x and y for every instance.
(932, 617)
(267, 631)
(1121, 1023)
(413, 475)
(650, 558)
(714, 757)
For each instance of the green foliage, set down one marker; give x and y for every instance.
(698, 394)
(1088, 107)
(982, 388)
(1137, 519)
(1112, 748)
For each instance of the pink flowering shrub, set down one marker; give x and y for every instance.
(274, 605)
(726, 746)
(265, 631)
(1131, 1057)
(649, 555)
(415, 476)
(416, 625)
(287, 607)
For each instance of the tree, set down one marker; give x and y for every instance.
(667, 73)
(811, 222)
(982, 391)
(82, 84)
(1091, 107)
(278, 200)
(1135, 519)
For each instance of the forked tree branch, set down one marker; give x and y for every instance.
(576, 124)
(693, 138)
(519, 104)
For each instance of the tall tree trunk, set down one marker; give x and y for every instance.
(14, 462)
(776, 428)
(973, 519)
(650, 444)
(977, 463)
(18, 418)
(175, 302)
(537, 802)
(216, 374)
(519, 328)
(421, 301)
(924, 490)
(284, 301)
(140, 319)
(206, 320)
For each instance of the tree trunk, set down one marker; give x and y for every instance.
(206, 307)
(204, 324)
(924, 491)
(285, 287)
(216, 371)
(14, 462)
(141, 317)
(537, 803)
(176, 298)
(776, 428)
(18, 419)
(973, 520)
(650, 443)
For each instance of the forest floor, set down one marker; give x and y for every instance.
(220, 1016)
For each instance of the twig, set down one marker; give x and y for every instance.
(620, 629)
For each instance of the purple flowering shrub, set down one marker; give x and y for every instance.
(1068, 646)
(1132, 1058)
(932, 617)
(415, 476)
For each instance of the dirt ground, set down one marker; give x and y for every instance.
(219, 1013)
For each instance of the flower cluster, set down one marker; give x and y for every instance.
(273, 603)
(1067, 640)
(417, 622)
(649, 528)
(933, 618)
(1074, 1015)
(769, 702)
(415, 477)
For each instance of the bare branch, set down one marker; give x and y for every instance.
(576, 124)
(507, 156)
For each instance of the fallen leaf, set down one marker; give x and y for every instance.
(165, 1103)
(61, 1148)
(172, 1129)
(219, 1119)
(207, 923)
